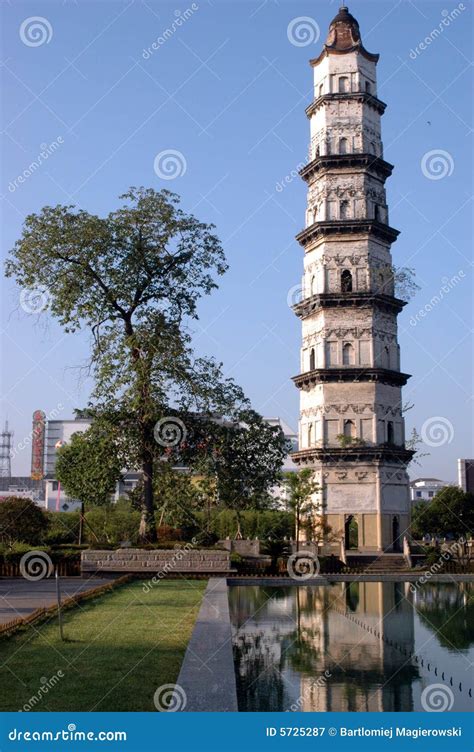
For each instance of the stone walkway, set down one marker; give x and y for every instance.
(19, 597)
(207, 678)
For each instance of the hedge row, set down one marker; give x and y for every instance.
(253, 524)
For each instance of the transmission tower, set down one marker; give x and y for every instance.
(5, 452)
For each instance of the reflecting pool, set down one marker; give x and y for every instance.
(353, 646)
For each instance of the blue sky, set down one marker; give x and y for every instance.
(228, 91)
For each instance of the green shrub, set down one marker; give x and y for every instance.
(22, 520)
(112, 524)
(236, 559)
(18, 549)
(169, 533)
(253, 523)
(65, 554)
(63, 528)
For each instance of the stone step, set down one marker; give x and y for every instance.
(384, 564)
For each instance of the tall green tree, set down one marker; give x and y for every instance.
(89, 466)
(132, 279)
(301, 488)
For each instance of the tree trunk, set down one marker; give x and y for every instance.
(147, 531)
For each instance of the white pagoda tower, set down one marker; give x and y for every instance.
(351, 425)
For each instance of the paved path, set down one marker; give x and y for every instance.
(207, 677)
(19, 597)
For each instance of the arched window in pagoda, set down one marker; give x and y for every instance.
(348, 355)
(343, 84)
(349, 429)
(390, 432)
(346, 281)
(344, 210)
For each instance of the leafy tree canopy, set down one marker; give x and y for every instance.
(90, 465)
(301, 488)
(21, 520)
(451, 512)
(132, 279)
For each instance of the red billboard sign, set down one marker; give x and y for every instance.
(37, 445)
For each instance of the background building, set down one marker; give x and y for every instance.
(22, 486)
(424, 489)
(466, 475)
(55, 433)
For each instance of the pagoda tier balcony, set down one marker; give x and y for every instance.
(306, 306)
(338, 455)
(347, 227)
(352, 374)
(354, 96)
(367, 162)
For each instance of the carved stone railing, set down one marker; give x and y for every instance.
(166, 561)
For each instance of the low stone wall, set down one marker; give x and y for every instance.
(151, 562)
(243, 546)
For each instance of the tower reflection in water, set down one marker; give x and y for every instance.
(345, 647)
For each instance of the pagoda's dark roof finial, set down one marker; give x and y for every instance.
(344, 36)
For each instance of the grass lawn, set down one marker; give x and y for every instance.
(120, 647)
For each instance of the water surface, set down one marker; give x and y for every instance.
(355, 646)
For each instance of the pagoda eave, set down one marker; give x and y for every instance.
(348, 454)
(325, 162)
(314, 303)
(328, 50)
(356, 96)
(350, 374)
(343, 227)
